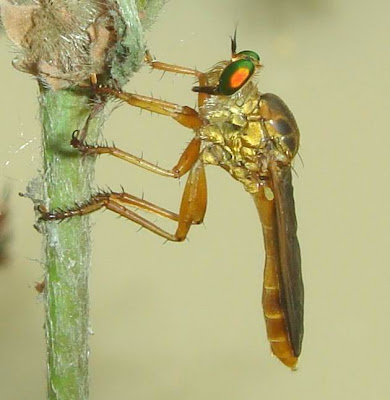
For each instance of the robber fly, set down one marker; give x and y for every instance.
(254, 137)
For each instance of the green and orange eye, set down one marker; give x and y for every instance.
(235, 75)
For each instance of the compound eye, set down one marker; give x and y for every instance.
(249, 55)
(234, 76)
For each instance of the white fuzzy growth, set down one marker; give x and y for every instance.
(63, 42)
(56, 40)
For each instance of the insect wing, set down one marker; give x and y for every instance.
(290, 275)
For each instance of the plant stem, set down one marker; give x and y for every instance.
(67, 178)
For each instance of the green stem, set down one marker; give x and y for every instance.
(67, 245)
(67, 180)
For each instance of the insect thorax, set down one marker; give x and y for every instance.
(232, 140)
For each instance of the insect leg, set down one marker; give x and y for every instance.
(170, 67)
(202, 77)
(194, 200)
(192, 209)
(115, 202)
(186, 161)
(185, 115)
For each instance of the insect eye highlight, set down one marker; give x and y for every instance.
(248, 55)
(234, 76)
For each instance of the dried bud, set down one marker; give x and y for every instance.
(63, 42)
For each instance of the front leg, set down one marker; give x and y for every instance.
(177, 69)
(161, 66)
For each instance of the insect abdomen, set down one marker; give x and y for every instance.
(274, 318)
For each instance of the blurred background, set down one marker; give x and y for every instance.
(184, 321)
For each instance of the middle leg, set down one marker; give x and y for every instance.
(186, 161)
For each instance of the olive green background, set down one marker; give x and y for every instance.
(184, 321)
